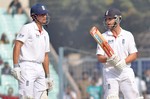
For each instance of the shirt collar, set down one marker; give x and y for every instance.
(111, 34)
(36, 27)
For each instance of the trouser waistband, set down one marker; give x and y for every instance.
(30, 61)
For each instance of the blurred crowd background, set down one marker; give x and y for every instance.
(76, 72)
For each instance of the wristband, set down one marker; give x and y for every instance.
(47, 75)
(16, 65)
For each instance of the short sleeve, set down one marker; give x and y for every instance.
(47, 43)
(132, 45)
(99, 50)
(23, 34)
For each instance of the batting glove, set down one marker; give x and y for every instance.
(113, 60)
(50, 83)
(140, 97)
(16, 72)
(113, 96)
(121, 64)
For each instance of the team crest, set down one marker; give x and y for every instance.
(37, 36)
(123, 41)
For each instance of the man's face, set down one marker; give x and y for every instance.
(42, 18)
(85, 76)
(109, 21)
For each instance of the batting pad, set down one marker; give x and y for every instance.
(44, 95)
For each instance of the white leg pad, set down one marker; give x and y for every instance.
(29, 98)
(44, 95)
(25, 97)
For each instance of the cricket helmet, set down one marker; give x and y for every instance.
(38, 9)
(113, 13)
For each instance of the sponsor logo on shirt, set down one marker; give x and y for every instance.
(37, 36)
(21, 35)
(110, 41)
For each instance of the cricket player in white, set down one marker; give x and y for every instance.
(117, 72)
(30, 56)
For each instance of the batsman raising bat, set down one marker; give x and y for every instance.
(116, 50)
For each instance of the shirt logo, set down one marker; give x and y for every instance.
(27, 83)
(107, 12)
(43, 7)
(123, 41)
(110, 41)
(21, 35)
(37, 36)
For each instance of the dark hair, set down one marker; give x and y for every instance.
(85, 72)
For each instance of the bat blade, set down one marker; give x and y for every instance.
(96, 34)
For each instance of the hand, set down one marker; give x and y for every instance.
(113, 60)
(16, 71)
(112, 96)
(121, 64)
(50, 83)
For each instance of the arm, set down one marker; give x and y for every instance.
(133, 53)
(8, 10)
(123, 63)
(113, 60)
(120, 64)
(49, 80)
(9, 7)
(131, 57)
(46, 65)
(101, 58)
(16, 71)
(20, 9)
(73, 95)
(16, 51)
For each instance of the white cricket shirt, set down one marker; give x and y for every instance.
(123, 45)
(35, 45)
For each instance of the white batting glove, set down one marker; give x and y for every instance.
(113, 60)
(113, 96)
(121, 64)
(140, 97)
(16, 71)
(50, 83)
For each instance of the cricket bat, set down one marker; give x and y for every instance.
(97, 35)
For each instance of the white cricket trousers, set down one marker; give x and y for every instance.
(115, 81)
(32, 82)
